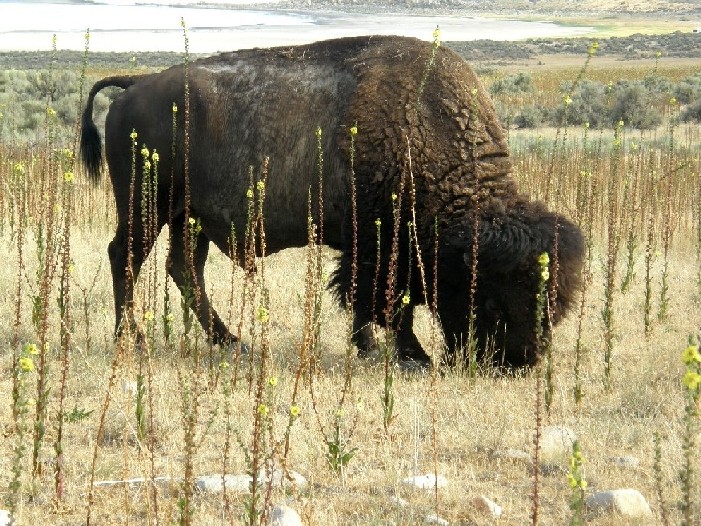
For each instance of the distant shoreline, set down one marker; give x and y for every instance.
(678, 45)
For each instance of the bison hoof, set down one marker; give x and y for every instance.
(237, 348)
(410, 365)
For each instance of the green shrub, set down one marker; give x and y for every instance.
(512, 84)
(634, 105)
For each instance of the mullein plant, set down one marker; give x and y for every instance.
(671, 176)
(338, 439)
(613, 238)
(586, 190)
(22, 369)
(541, 306)
(64, 303)
(691, 381)
(578, 485)
(659, 479)
(48, 247)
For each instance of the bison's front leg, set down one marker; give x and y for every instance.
(181, 272)
(408, 349)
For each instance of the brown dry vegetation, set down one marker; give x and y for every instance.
(448, 423)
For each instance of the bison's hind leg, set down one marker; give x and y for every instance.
(181, 272)
(408, 349)
(125, 271)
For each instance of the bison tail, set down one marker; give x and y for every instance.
(90, 140)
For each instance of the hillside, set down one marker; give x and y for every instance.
(520, 7)
(678, 44)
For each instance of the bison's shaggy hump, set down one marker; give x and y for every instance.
(427, 133)
(450, 128)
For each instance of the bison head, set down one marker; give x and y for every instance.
(509, 244)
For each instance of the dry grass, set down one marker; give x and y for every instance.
(474, 418)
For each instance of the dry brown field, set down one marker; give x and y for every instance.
(201, 414)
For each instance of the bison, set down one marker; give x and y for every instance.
(429, 173)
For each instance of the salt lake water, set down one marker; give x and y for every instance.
(122, 25)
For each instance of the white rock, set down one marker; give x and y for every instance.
(625, 461)
(486, 505)
(215, 483)
(132, 483)
(282, 515)
(282, 478)
(515, 455)
(6, 518)
(398, 501)
(129, 387)
(435, 519)
(427, 481)
(556, 442)
(626, 502)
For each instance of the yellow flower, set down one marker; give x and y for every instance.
(263, 410)
(354, 131)
(295, 411)
(175, 108)
(155, 157)
(51, 112)
(31, 348)
(437, 36)
(691, 354)
(594, 46)
(133, 135)
(318, 132)
(191, 221)
(224, 365)
(544, 259)
(249, 193)
(68, 177)
(260, 185)
(406, 299)
(263, 315)
(394, 197)
(545, 274)
(691, 380)
(144, 152)
(26, 364)
(567, 100)
(378, 222)
(272, 381)
(148, 315)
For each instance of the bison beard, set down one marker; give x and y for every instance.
(428, 136)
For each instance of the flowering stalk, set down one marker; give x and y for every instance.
(692, 382)
(576, 480)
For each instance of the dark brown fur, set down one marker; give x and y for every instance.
(434, 128)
